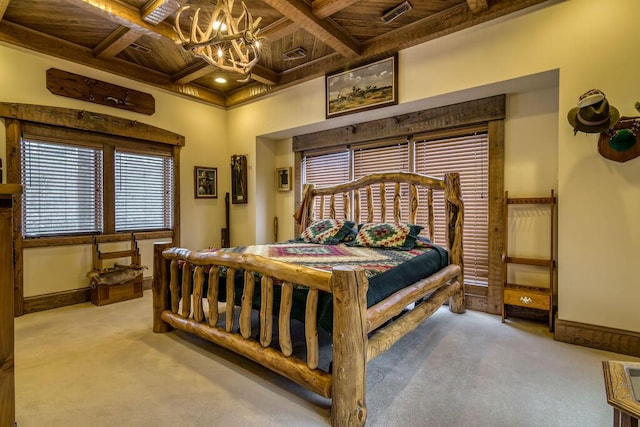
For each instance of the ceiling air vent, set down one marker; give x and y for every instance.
(293, 54)
(398, 10)
(140, 47)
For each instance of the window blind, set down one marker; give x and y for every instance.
(469, 156)
(62, 189)
(325, 170)
(435, 155)
(379, 159)
(143, 187)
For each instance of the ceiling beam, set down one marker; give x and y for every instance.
(3, 7)
(477, 6)
(129, 16)
(116, 42)
(192, 72)
(24, 37)
(448, 21)
(325, 8)
(326, 30)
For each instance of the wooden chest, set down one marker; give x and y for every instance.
(103, 294)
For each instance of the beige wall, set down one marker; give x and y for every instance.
(588, 44)
(22, 80)
(543, 59)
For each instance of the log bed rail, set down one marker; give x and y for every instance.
(359, 334)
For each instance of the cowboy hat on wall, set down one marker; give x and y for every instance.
(593, 113)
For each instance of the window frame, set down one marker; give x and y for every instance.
(86, 127)
(109, 144)
(442, 121)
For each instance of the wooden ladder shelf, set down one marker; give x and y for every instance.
(521, 295)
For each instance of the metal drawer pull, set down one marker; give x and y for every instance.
(525, 300)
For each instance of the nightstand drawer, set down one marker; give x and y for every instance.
(528, 298)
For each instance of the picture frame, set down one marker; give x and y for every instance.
(238, 179)
(369, 86)
(283, 179)
(205, 181)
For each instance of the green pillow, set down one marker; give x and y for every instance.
(388, 235)
(327, 231)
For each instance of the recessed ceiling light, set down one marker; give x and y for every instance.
(220, 80)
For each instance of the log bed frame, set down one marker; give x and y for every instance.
(358, 333)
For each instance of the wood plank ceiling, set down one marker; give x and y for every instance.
(136, 39)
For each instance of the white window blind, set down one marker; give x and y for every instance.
(143, 185)
(62, 189)
(469, 156)
(324, 170)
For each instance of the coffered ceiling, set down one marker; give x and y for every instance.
(304, 39)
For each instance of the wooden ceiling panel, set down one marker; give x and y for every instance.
(275, 58)
(136, 38)
(364, 19)
(62, 19)
(157, 54)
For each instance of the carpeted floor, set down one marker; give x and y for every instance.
(103, 366)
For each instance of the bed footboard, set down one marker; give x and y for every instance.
(359, 334)
(180, 304)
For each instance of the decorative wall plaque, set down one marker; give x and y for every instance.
(75, 86)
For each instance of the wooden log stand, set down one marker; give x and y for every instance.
(118, 283)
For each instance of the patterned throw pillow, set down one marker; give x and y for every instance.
(387, 235)
(327, 231)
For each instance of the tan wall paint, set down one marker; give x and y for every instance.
(22, 80)
(589, 42)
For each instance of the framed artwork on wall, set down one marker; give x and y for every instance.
(283, 179)
(206, 182)
(238, 179)
(369, 86)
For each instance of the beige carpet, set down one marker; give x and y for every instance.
(103, 366)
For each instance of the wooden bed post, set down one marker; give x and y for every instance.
(160, 287)
(455, 223)
(349, 375)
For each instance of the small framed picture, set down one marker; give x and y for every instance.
(283, 178)
(206, 182)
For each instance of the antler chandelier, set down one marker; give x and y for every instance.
(229, 43)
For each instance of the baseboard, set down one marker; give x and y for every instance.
(65, 298)
(56, 299)
(599, 337)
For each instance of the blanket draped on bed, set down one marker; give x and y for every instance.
(387, 270)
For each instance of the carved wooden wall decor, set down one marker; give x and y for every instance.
(238, 179)
(75, 86)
